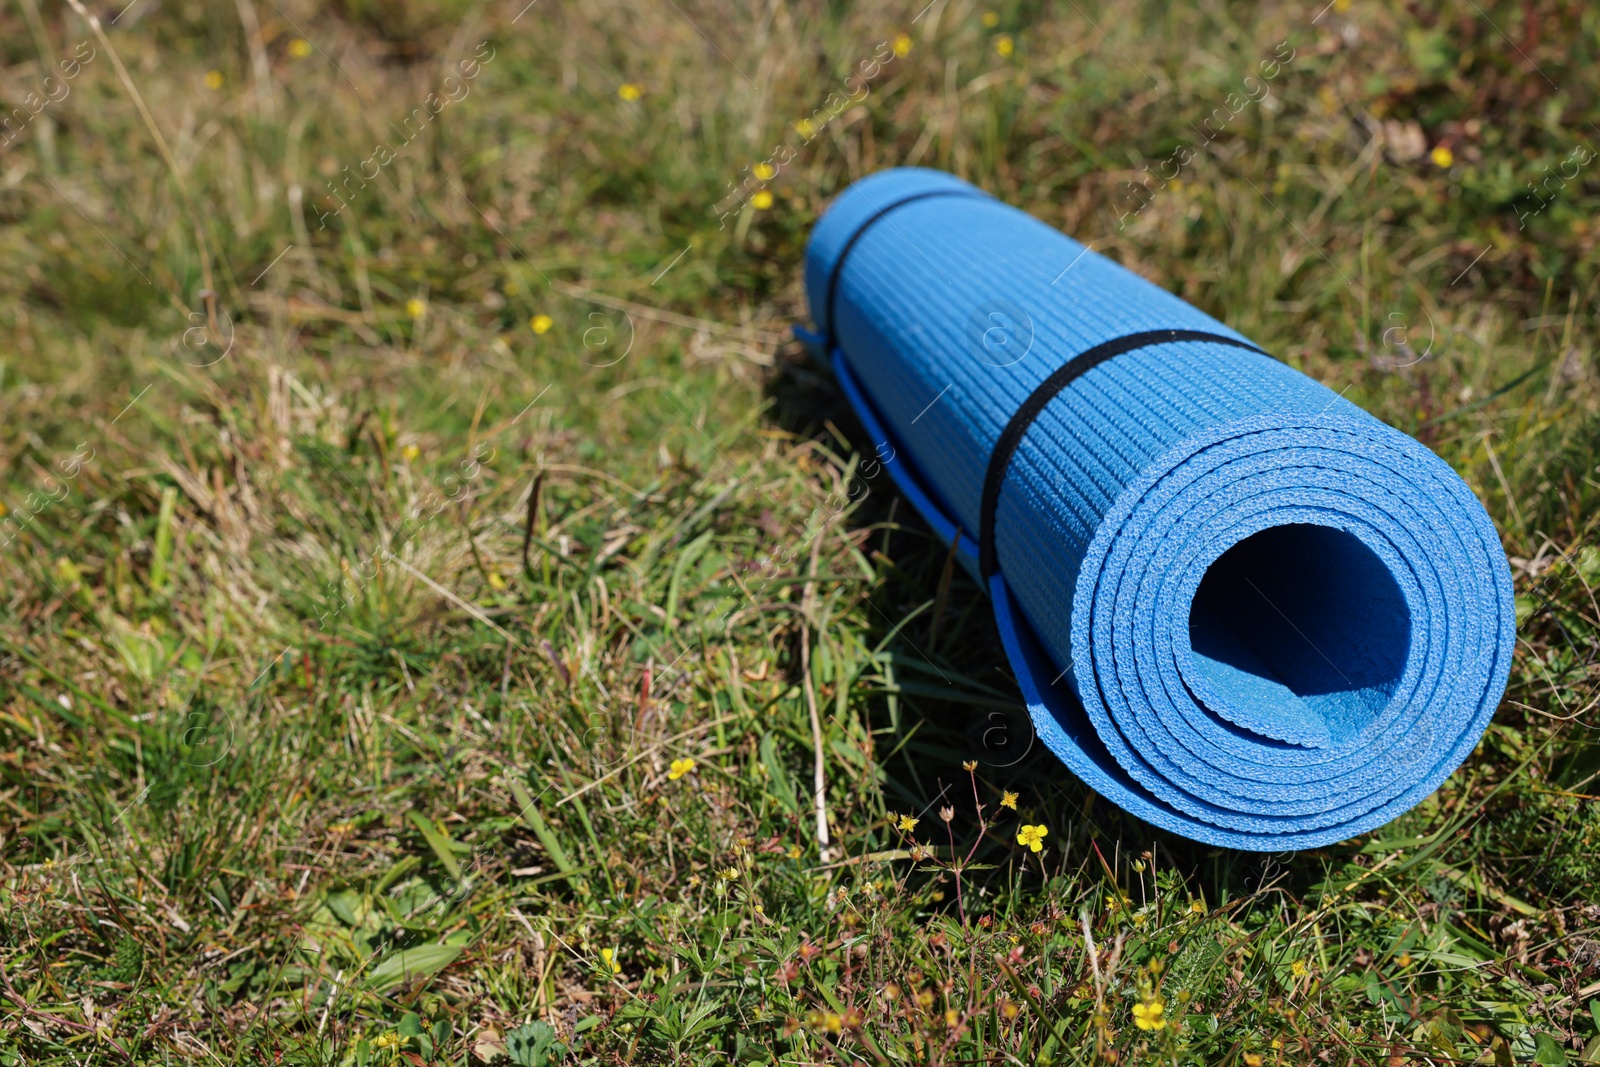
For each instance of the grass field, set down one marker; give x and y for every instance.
(432, 583)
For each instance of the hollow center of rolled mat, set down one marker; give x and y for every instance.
(1298, 634)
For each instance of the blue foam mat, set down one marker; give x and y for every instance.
(1237, 606)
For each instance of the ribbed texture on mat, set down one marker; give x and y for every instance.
(1315, 681)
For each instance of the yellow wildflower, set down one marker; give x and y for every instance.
(1442, 156)
(213, 79)
(1341, 5)
(416, 308)
(299, 48)
(805, 128)
(728, 874)
(630, 91)
(1148, 1015)
(907, 824)
(1004, 46)
(1404, 960)
(410, 452)
(990, 19)
(765, 171)
(761, 200)
(1032, 836)
(1009, 1009)
(679, 768)
(608, 961)
(1196, 908)
(1008, 799)
(541, 323)
(388, 1040)
(495, 581)
(795, 852)
(951, 1017)
(1299, 969)
(902, 44)
(1252, 1059)
(969, 765)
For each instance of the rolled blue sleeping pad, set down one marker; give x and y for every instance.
(1237, 605)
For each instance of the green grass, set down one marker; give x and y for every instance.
(353, 633)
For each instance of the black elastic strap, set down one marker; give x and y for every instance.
(1011, 436)
(844, 253)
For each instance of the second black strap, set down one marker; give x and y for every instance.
(1011, 437)
(828, 328)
